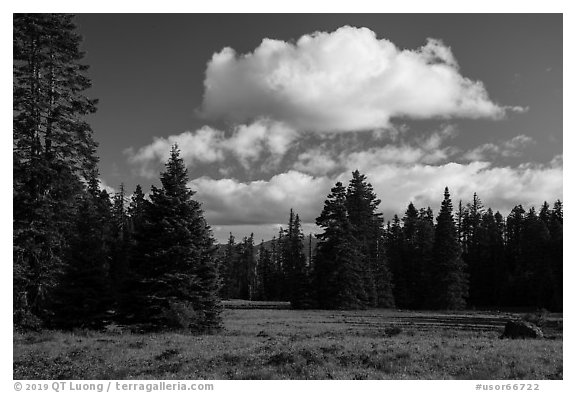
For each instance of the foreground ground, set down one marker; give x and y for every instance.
(274, 343)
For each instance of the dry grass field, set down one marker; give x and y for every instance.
(269, 342)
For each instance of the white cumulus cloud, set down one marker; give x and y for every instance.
(345, 80)
(228, 201)
(207, 145)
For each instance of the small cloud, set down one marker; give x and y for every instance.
(247, 144)
(393, 132)
(557, 161)
(225, 171)
(510, 148)
(517, 109)
(261, 201)
(316, 161)
(200, 146)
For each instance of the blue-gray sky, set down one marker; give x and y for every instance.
(417, 102)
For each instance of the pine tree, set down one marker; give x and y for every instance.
(243, 269)
(423, 251)
(487, 276)
(280, 263)
(297, 288)
(226, 267)
(309, 260)
(408, 271)
(450, 284)
(382, 275)
(338, 275)
(251, 267)
(177, 278)
(83, 298)
(408, 258)
(514, 228)
(53, 153)
(461, 219)
(475, 238)
(498, 245)
(136, 209)
(395, 249)
(120, 240)
(277, 278)
(556, 252)
(545, 214)
(514, 263)
(537, 287)
(361, 205)
(127, 277)
(368, 225)
(264, 274)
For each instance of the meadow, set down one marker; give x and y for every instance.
(265, 341)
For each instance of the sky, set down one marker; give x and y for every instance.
(269, 110)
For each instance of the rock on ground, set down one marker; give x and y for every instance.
(521, 329)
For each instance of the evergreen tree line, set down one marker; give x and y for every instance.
(469, 258)
(512, 262)
(84, 258)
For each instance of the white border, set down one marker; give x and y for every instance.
(298, 6)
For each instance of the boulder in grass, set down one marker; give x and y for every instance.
(521, 329)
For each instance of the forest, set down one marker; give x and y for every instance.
(83, 258)
(468, 258)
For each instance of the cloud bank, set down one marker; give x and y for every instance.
(346, 80)
(232, 202)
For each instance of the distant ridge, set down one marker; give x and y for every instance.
(268, 245)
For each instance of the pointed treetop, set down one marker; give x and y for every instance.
(175, 177)
(411, 212)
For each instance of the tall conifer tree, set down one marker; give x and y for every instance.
(368, 225)
(338, 273)
(53, 154)
(450, 282)
(174, 260)
(295, 264)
